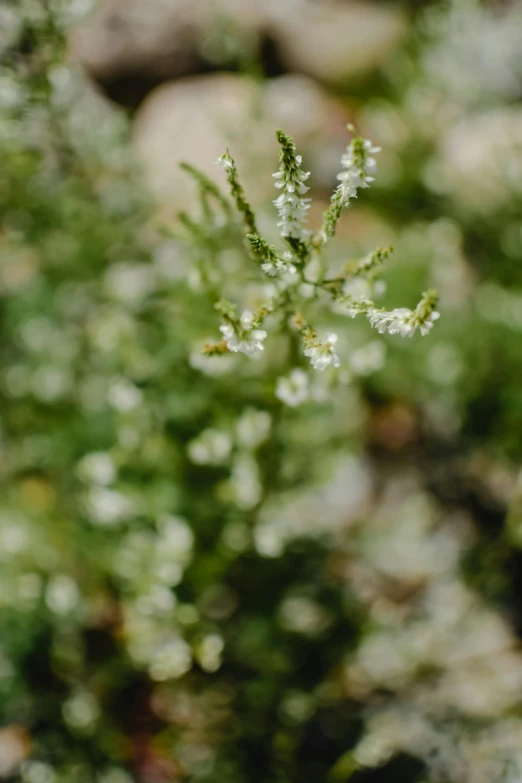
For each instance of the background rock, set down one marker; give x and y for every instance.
(197, 118)
(479, 161)
(336, 41)
(130, 46)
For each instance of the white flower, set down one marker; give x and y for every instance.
(402, 321)
(224, 162)
(294, 389)
(394, 321)
(290, 178)
(427, 326)
(270, 268)
(244, 338)
(359, 167)
(280, 266)
(323, 354)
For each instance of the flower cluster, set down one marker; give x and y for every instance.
(281, 266)
(322, 354)
(401, 320)
(242, 335)
(148, 489)
(273, 264)
(359, 167)
(404, 321)
(242, 205)
(299, 276)
(290, 178)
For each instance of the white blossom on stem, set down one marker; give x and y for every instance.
(404, 321)
(290, 178)
(353, 307)
(322, 354)
(243, 336)
(273, 264)
(279, 266)
(359, 166)
(225, 162)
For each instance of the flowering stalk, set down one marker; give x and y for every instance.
(273, 264)
(401, 321)
(321, 353)
(242, 335)
(207, 188)
(369, 264)
(359, 166)
(290, 179)
(406, 322)
(238, 194)
(246, 333)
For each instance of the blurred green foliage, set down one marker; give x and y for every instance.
(331, 596)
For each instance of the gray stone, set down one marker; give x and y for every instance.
(334, 41)
(159, 40)
(196, 119)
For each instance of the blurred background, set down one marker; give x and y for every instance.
(197, 583)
